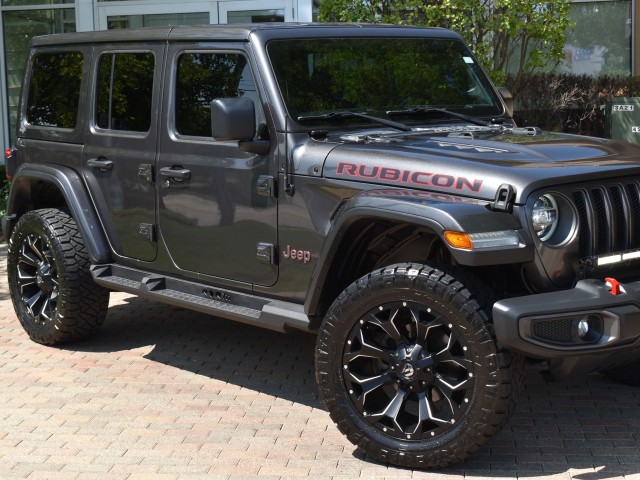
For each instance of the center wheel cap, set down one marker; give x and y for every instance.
(407, 371)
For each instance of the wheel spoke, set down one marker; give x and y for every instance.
(369, 385)
(32, 301)
(420, 328)
(25, 280)
(367, 350)
(387, 326)
(46, 312)
(28, 258)
(394, 408)
(425, 413)
(33, 242)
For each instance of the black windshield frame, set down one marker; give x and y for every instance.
(375, 75)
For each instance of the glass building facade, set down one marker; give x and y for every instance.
(603, 41)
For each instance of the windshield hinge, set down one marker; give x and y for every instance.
(505, 195)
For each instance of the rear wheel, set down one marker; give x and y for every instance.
(409, 368)
(53, 293)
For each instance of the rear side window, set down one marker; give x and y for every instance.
(54, 91)
(125, 91)
(203, 77)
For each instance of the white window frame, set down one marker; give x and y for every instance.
(290, 10)
(104, 10)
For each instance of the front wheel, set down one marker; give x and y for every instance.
(409, 368)
(54, 296)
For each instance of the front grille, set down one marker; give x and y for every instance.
(609, 218)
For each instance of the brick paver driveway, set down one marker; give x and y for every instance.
(164, 393)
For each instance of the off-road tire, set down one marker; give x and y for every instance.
(53, 293)
(386, 352)
(628, 374)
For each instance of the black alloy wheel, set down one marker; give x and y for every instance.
(407, 371)
(37, 278)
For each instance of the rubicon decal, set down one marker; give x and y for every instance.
(408, 177)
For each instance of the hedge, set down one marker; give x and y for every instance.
(569, 103)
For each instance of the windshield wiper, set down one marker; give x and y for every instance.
(337, 115)
(427, 109)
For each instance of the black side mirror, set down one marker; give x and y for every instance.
(235, 119)
(508, 100)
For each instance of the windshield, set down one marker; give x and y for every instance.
(378, 76)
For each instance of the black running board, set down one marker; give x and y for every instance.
(246, 308)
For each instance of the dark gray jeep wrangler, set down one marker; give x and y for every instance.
(366, 183)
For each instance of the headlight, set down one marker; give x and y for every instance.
(545, 216)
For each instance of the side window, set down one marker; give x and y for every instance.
(54, 91)
(125, 91)
(203, 77)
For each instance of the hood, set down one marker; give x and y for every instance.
(477, 165)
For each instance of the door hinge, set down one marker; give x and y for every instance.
(266, 253)
(265, 186)
(145, 172)
(147, 231)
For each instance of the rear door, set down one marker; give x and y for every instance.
(215, 216)
(121, 142)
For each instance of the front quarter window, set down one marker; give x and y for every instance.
(377, 75)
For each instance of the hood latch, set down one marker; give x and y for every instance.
(505, 196)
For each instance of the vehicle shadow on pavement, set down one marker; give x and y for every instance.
(251, 357)
(589, 427)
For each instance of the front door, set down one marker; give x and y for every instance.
(120, 150)
(213, 217)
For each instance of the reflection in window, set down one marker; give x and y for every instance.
(203, 77)
(54, 91)
(125, 91)
(378, 75)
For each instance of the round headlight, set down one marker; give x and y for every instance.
(545, 216)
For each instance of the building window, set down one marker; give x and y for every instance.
(156, 20)
(254, 16)
(19, 27)
(600, 42)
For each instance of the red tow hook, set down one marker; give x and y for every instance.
(613, 285)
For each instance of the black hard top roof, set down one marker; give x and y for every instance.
(239, 32)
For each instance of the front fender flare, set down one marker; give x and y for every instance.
(438, 213)
(70, 184)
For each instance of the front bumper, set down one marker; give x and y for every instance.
(581, 330)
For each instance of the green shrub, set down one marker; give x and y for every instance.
(4, 190)
(569, 103)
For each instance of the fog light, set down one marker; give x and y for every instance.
(583, 328)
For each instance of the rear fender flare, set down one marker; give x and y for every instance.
(72, 188)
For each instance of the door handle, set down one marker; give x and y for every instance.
(179, 174)
(101, 164)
